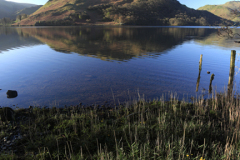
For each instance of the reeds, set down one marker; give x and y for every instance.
(161, 130)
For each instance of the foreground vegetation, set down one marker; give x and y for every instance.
(202, 129)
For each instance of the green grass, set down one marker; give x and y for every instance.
(202, 129)
(207, 7)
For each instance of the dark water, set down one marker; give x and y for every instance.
(68, 65)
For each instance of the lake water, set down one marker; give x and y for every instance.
(67, 65)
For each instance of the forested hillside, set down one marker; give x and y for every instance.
(158, 12)
(131, 12)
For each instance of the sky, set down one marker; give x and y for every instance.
(189, 3)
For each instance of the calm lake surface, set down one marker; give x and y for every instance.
(67, 65)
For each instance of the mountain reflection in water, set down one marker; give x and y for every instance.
(114, 43)
(10, 38)
(147, 60)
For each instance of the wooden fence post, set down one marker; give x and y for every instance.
(231, 72)
(210, 85)
(199, 73)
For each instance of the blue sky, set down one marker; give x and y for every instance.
(190, 3)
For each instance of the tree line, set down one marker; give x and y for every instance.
(8, 21)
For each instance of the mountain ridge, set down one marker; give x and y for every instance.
(224, 10)
(130, 12)
(8, 9)
(28, 10)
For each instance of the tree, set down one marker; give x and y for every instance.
(6, 21)
(23, 16)
(18, 18)
(226, 31)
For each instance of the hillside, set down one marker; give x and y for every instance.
(8, 9)
(131, 12)
(224, 10)
(29, 10)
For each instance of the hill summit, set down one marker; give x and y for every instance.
(131, 12)
(224, 10)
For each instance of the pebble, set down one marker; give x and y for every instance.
(5, 139)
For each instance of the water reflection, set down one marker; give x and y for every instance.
(214, 39)
(10, 38)
(113, 43)
(119, 44)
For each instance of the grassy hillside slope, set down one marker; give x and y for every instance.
(8, 9)
(29, 10)
(133, 12)
(224, 10)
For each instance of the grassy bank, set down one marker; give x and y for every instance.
(202, 129)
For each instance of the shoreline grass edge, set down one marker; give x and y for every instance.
(158, 129)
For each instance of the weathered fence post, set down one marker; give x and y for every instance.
(210, 85)
(231, 72)
(199, 73)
